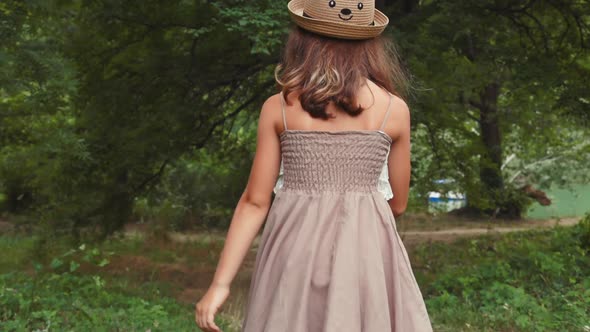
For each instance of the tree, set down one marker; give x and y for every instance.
(493, 68)
(155, 81)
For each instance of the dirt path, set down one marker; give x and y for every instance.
(451, 234)
(407, 230)
(446, 234)
(191, 277)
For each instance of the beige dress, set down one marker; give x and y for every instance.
(330, 258)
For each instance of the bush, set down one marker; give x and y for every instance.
(585, 232)
(524, 281)
(56, 297)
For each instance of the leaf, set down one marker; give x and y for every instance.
(74, 266)
(56, 263)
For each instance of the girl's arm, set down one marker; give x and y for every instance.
(253, 206)
(399, 156)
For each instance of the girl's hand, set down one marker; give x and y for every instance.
(207, 307)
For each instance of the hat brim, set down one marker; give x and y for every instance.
(336, 29)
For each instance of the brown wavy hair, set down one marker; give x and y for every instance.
(325, 70)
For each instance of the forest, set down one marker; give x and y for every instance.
(128, 128)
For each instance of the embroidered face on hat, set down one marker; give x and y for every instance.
(346, 19)
(359, 12)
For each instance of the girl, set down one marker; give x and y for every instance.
(338, 138)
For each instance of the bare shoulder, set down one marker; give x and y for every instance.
(398, 121)
(272, 103)
(400, 109)
(270, 113)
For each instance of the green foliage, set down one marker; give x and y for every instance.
(111, 110)
(36, 124)
(526, 281)
(202, 189)
(585, 232)
(536, 60)
(263, 22)
(93, 126)
(58, 297)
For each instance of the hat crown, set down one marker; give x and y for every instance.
(357, 12)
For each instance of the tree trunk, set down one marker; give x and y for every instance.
(491, 160)
(506, 202)
(18, 199)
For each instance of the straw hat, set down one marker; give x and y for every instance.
(346, 19)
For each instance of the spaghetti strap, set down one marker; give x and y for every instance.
(388, 110)
(283, 110)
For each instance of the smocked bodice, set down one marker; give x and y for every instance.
(336, 161)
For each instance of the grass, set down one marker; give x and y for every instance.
(536, 280)
(523, 281)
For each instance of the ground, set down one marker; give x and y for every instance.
(413, 230)
(182, 265)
